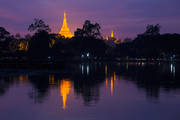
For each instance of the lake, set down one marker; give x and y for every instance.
(92, 91)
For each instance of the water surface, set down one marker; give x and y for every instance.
(98, 91)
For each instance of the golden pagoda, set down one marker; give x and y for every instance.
(111, 37)
(112, 34)
(65, 30)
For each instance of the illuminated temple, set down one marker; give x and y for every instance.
(112, 36)
(65, 29)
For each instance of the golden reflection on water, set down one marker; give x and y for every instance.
(106, 70)
(112, 85)
(106, 82)
(112, 80)
(114, 76)
(23, 79)
(65, 87)
(51, 79)
(106, 75)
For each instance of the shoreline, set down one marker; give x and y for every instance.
(62, 63)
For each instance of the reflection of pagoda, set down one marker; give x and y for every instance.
(110, 77)
(65, 87)
(65, 30)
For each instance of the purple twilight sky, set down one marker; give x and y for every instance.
(126, 17)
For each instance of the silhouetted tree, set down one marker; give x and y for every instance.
(39, 25)
(126, 40)
(15, 43)
(4, 34)
(87, 42)
(151, 44)
(89, 30)
(5, 39)
(152, 30)
(39, 45)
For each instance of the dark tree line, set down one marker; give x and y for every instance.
(87, 44)
(151, 44)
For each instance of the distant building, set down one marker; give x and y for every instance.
(111, 37)
(112, 41)
(65, 29)
(23, 45)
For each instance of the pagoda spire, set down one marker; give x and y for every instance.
(65, 29)
(112, 34)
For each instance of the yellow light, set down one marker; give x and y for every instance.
(23, 79)
(114, 76)
(65, 87)
(112, 34)
(106, 70)
(23, 46)
(51, 79)
(65, 29)
(51, 43)
(107, 38)
(112, 85)
(106, 81)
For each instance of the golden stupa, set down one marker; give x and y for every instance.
(112, 34)
(65, 29)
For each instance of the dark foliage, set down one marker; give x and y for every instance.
(39, 46)
(87, 44)
(151, 45)
(84, 45)
(39, 25)
(89, 30)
